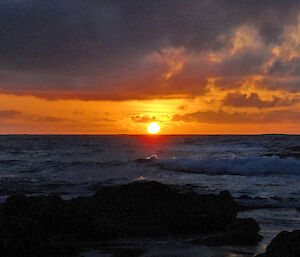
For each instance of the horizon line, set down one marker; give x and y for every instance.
(146, 134)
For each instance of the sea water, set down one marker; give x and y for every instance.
(261, 171)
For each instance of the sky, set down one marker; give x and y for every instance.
(114, 66)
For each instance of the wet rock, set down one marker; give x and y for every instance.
(123, 252)
(240, 232)
(152, 209)
(243, 232)
(285, 244)
(49, 226)
(33, 226)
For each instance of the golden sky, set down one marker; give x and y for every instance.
(199, 115)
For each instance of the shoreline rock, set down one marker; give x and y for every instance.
(242, 232)
(284, 244)
(49, 226)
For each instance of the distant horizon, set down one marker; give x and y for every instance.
(146, 134)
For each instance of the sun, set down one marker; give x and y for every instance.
(153, 128)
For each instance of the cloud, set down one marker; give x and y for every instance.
(182, 107)
(140, 118)
(17, 115)
(124, 50)
(104, 120)
(253, 100)
(50, 119)
(9, 114)
(222, 117)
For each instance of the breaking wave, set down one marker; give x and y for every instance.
(236, 166)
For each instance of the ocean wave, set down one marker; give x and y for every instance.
(235, 166)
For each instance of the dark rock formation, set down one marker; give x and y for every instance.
(240, 232)
(49, 226)
(285, 244)
(154, 209)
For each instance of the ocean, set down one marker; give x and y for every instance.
(260, 171)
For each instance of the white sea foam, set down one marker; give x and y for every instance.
(239, 166)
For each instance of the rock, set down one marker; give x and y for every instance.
(49, 226)
(285, 244)
(154, 209)
(33, 226)
(240, 232)
(123, 252)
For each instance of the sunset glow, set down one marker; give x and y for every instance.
(138, 108)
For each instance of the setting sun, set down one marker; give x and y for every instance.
(153, 128)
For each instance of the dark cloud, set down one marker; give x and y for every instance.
(98, 49)
(243, 64)
(283, 74)
(222, 117)
(286, 67)
(253, 100)
(288, 83)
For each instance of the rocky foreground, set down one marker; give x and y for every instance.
(285, 244)
(49, 226)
